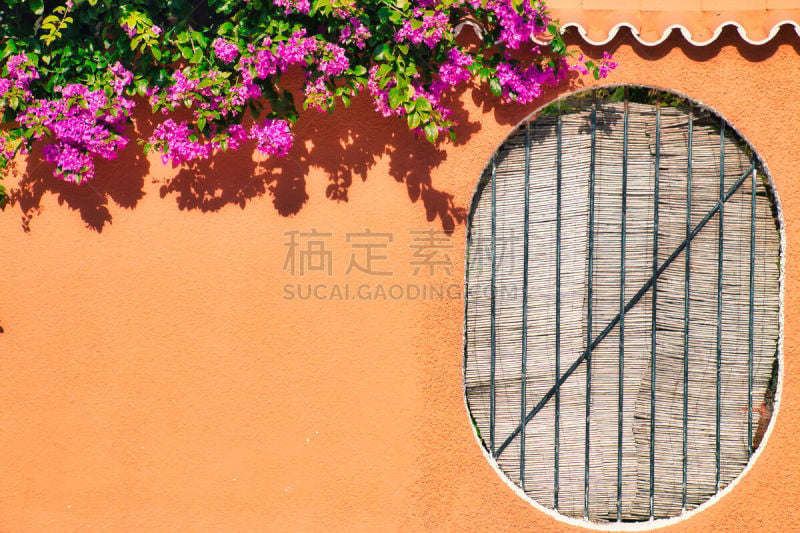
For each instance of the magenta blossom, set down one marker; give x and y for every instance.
(274, 137)
(226, 51)
(290, 6)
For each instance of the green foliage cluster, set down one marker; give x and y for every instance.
(403, 52)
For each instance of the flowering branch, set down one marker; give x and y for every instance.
(67, 77)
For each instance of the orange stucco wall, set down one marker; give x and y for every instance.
(155, 375)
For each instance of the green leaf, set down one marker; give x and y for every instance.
(10, 48)
(382, 52)
(394, 97)
(431, 132)
(141, 86)
(494, 85)
(201, 123)
(423, 104)
(413, 120)
(37, 6)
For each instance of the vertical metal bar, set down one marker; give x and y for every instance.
(644, 289)
(524, 381)
(589, 296)
(720, 235)
(492, 400)
(558, 308)
(653, 315)
(621, 365)
(750, 315)
(686, 307)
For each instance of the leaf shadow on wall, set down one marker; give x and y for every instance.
(345, 145)
(120, 181)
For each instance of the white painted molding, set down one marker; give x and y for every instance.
(684, 31)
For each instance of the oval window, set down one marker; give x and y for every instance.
(623, 305)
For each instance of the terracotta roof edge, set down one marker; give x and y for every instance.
(686, 32)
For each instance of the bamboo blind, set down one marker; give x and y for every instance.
(622, 313)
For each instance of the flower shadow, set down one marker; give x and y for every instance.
(120, 181)
(345, 146)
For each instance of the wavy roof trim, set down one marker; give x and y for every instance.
(700, 28)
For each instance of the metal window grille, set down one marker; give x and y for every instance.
(623, 306)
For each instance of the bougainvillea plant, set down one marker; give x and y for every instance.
(71, 71)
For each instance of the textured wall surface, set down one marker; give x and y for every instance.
(156, 375)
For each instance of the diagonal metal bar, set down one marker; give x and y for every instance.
(628, 306)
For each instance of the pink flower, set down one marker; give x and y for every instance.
(606, 65)
(295, 50)
(430, 32)
(224, 50)
(175, 142)
(122, 77)
(274, 137)
(71, 163)
(454, 71)
(21, 71)
(333, 62)
(290, 6)
(130, 30)
(516, 27)
(84, 124)
(316, 93)
(356, 32)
